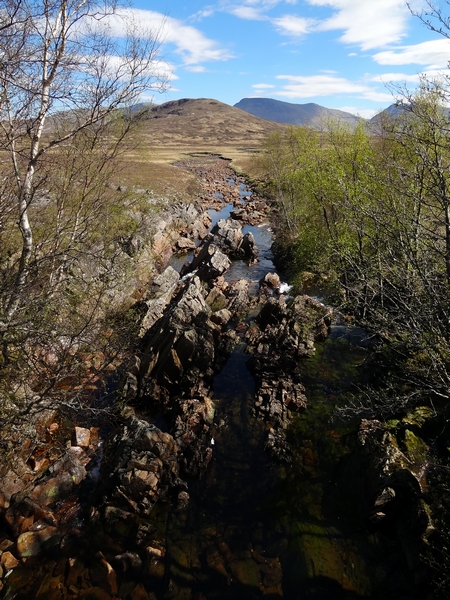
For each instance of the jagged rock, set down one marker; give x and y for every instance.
(160, 294)
(227, 235)
(221, 317)
(209, 262)
(185, 244)
(146, 468)
(238, 300)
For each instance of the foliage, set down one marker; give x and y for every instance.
(65, 90)
(375, 207)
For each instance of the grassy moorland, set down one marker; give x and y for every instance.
(176, 130)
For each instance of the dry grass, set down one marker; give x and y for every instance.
(177, 130)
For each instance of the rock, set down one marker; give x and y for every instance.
(237, 294)
(103, 575)
(82, 437)
(129, 561)
(210, 262)
(227, 235)
(31, 543)
(221, 317)
(146, 467)
(67, 472)
(246, 572)
(12, 483)
(185, 244)
(270, 280)
(9, 561)
(94, 593)
(160, 294)
(140, 593)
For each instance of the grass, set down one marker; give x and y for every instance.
(178, 130)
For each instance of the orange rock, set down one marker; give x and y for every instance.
(9, 561)
(82, 437)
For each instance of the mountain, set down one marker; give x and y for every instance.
(391, 112)
(206, 121)
(312, 115)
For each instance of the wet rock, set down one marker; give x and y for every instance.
(392, 492)
(271, 281)
(227, 235)
(209, 262)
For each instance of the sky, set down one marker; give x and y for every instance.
(346, 54)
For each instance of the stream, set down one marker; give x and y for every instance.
(255, 528)
(245, 522)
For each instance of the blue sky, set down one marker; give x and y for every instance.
(338, 53)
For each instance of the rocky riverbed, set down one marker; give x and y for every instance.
(222, 475)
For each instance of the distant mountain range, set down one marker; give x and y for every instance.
(309, 114)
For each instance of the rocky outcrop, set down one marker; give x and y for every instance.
(145, 469)
(284, 333)
(227, 235)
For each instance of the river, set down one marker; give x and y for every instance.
(257, 525)
(255, 528)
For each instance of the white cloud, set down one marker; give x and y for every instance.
(311, 86)
(252, 9)
(202, 14)
(386, 78)
(190, 43)
(375, 96)
(300, 86)
(366, 23)
(196, 69)
(262, 86)
(292, 25)
(435, 53)
(247, 12)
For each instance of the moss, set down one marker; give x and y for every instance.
(419, 416)
(416, 448)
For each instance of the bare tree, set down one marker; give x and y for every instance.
(62, 73)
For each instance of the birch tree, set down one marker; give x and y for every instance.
(62, 72)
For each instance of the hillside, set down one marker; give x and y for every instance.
(200, 122)
(312, 115)
(177, 129)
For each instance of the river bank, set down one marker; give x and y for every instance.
(224, 477)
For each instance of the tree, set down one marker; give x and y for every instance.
(62, 74)
(67, 89)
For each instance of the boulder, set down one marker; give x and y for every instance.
(209, 262)
(32, 543)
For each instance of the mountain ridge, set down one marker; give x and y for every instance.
(309, 114)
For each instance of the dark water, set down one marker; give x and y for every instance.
(256, 528)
